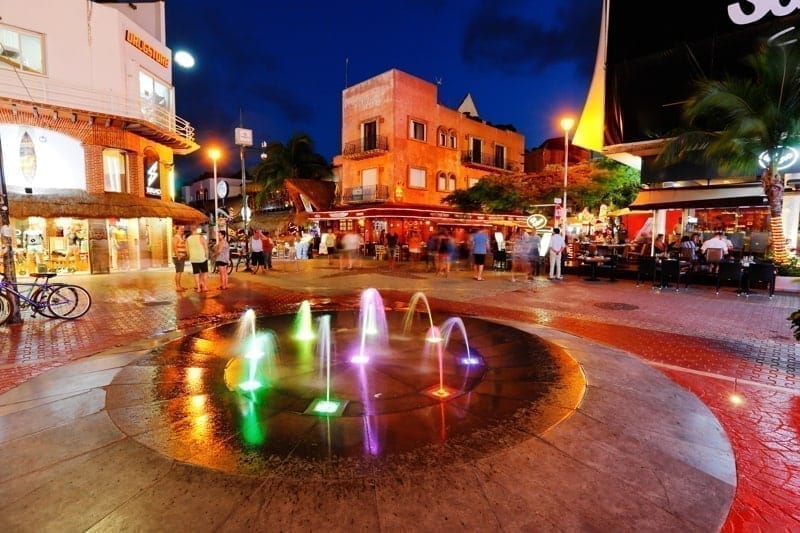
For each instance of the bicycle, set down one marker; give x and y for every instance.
(52, 300)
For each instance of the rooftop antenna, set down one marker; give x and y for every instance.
(346, 64)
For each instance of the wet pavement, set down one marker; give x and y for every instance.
(655, 443)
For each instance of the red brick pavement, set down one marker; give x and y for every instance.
(713, 346)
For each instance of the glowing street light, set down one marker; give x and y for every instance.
(184, 59)
(566, 123)
(214, 155)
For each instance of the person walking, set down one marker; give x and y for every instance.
(329, 241)
(257, 252)
(222, 259)
(534, 253)
(556, 251)
(268, 244)
(197, 250)
(179, 256)
(480, 247)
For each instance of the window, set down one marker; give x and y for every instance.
(156, 105)
(445, 182)
(451, 139)
(477, 148)
(416, 178)
(369, 135)
(441, 181)
(416, 130)
(369, 177)
(23, 50)
(471, 182)
(500, 156)
(442, 137)
(115, 170)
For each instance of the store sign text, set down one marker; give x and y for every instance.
(758, 9)
(146, 48)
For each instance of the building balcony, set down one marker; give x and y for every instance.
(40, 96)
(365, 194)
(488, 162)
(366, 147)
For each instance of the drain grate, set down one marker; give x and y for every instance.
(616, 306)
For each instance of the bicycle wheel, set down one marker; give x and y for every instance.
(6, 308)
(40, 297)
(69, 301)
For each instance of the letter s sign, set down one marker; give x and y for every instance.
(758, 9)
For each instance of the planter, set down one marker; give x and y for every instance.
(787, 284)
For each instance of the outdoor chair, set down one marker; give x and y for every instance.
(729, 271)
(646, 270)
(673, 270)
(760, 273)
(609, 267)
(714, 258)
(380, 252)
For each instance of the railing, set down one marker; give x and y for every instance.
(488, 160)
(366, 147)
(366, 193)
(40, 90)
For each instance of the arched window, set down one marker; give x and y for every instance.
(441, 136)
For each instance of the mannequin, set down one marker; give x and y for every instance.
(33, 240)
(74, 243)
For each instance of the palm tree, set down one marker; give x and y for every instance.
(295, 159)
(735, 120)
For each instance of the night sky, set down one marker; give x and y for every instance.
(280, 67)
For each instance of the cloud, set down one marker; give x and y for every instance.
(499, 37)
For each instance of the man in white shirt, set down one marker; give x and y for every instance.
(717, 241)
(556, 249)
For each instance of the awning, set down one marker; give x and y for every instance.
(746, 195)
(434, 215)
(80, 204)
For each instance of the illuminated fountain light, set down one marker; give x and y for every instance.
(371, 324)
(447, 329)
(303, 330)
(412, 307)
(325, 406)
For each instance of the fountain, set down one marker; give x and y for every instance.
(296, 398)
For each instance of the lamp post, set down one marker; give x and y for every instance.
(566, 123)
(214, 155)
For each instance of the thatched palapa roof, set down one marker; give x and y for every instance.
(80, 204)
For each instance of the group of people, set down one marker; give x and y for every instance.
(192, 246)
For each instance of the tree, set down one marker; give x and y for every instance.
(735, 120)
(295, 159)
(488, 195)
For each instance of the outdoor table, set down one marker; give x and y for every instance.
(593, 263)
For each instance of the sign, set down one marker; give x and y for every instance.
(557, 201)
(222, 189)
(243, 137)
(146, 48)
(152, 179)
(537, 221)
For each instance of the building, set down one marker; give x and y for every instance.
(644, 71)
(403, 151)
(88, 133)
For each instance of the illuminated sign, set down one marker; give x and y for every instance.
(787, 160)
(152, 180)
(758, 9)
(537, 221)
(146, 48)
(38, 158)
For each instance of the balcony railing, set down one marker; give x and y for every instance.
(479, 159)
(46, 92)
(366, 147)
(366, 194)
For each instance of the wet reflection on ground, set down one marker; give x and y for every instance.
(176, 399)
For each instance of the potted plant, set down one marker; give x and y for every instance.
(788, 278)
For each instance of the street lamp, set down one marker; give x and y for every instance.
(214, 155)
(566, 123)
